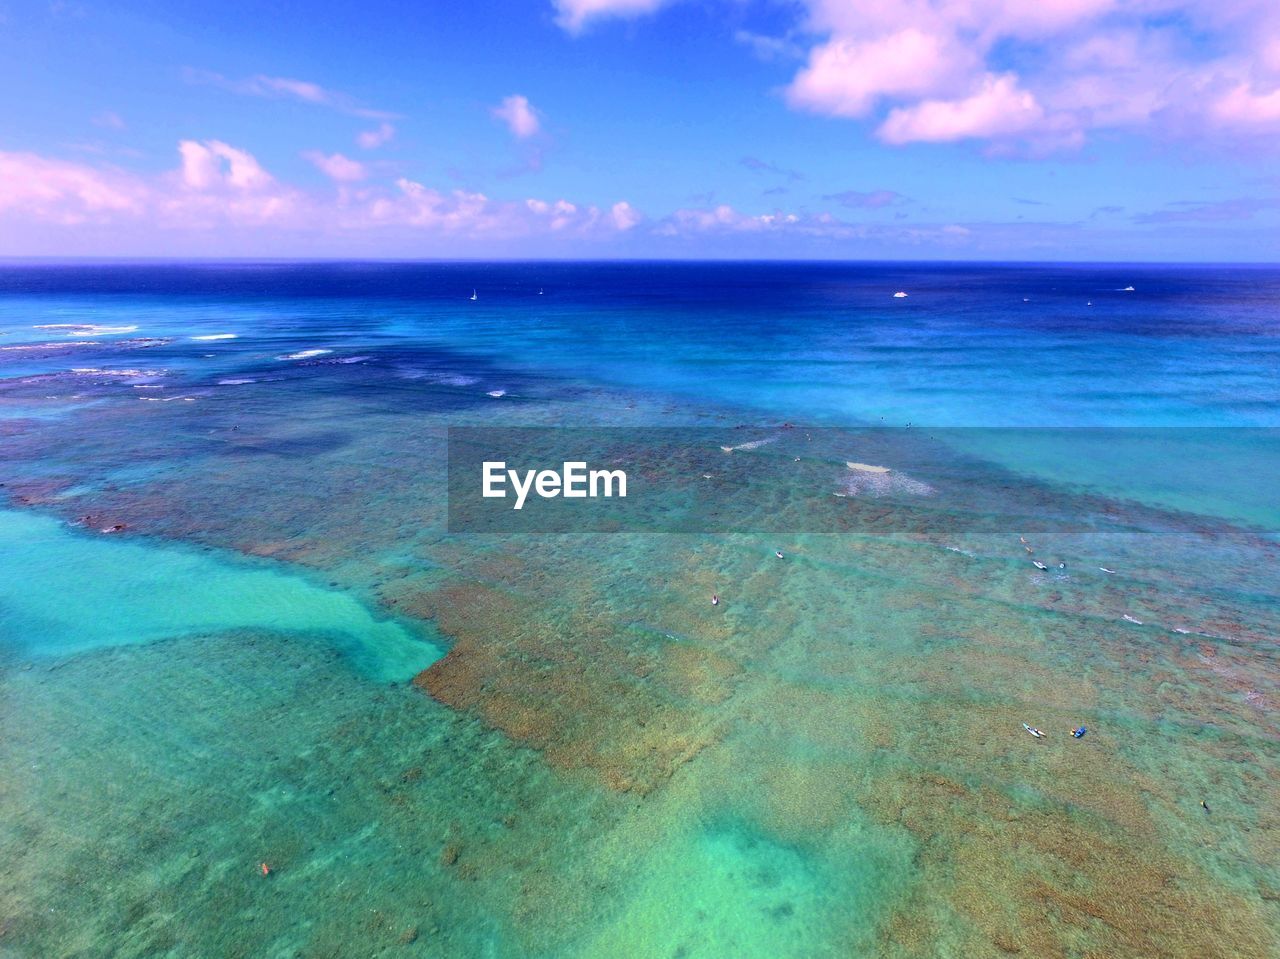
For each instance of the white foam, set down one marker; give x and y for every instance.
(235, 382)
(215, 336)
(750, 445)
(861, 483)
(47, 346)
(303, 354)
(86, 329)
(496, 393)
(143, 375)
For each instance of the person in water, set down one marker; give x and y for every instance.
(715, 600)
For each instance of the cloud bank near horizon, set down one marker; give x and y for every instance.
(218, 187)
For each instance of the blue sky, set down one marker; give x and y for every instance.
(955, 129)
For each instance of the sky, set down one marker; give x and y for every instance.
(1090, 130)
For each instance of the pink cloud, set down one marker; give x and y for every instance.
(573, 15)
(288, 88)
(725, 221)
(869, 199)
(1241, 106)
(998, 109)
(212, 163)
(846, 77)
(337, 167)
(1042, 74)
(109, 119)
(56, 191)
(1170, 67)
(372, 139)
(624, 215)
(217, 186)
(1164, 67)
(519, 116)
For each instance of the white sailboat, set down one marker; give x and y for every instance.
(473, 295)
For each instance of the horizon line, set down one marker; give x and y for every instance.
(39, 259)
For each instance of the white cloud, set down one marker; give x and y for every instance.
(519, 116)
(372, 139)
(337, 167)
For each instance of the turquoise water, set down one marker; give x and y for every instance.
(450, 744)
(93, 592)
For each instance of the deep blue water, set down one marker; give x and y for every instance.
(971, 345)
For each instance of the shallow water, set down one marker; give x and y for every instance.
(461, 744)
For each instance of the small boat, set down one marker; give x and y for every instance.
(1127, 289)
(473, 295)
(899, 295)
(1033, 731)
(539, 291)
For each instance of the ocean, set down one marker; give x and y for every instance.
(265, 689)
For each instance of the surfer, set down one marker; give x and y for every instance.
(1078, 732)
(1033, 731)
(778, 553)
(715, 600)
